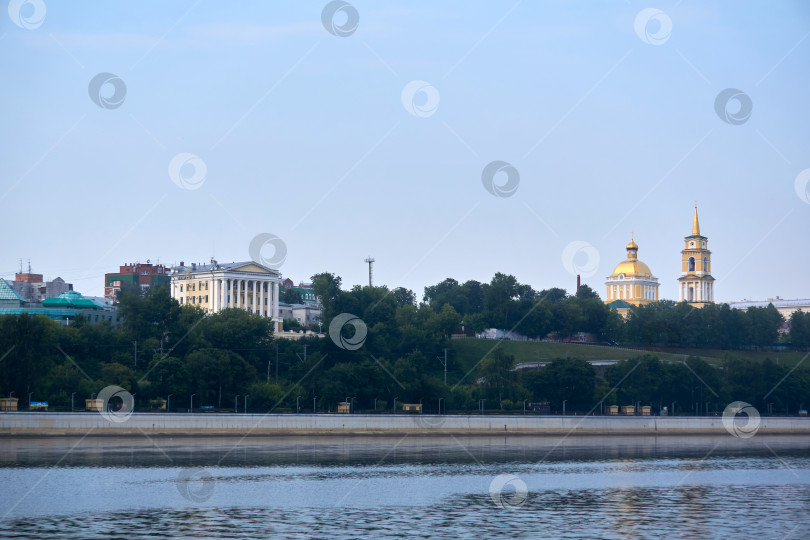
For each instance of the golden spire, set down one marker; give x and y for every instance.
(695, 223)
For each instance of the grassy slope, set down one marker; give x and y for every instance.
(470, 351)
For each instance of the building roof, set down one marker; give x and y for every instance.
(217, 266)
(619, 304)
(71, 299)
(7, 292)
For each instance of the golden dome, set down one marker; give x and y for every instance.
(632, 268)
(632, 245)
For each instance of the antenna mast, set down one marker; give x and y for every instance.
(370, 262)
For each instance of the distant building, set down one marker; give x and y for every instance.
(214, 287)
(136, 274)
(34, 288)
(632, 283)
(63, 308)
(785, 307)
(304, 289)
(696, 284)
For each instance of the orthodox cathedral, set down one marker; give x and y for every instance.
(632, 283)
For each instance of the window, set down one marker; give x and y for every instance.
(691, 264)
(181, 288)
(206, 298)
(706, 264)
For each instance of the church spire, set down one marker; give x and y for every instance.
(695, 223)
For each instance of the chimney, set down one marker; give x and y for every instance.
(578, 282)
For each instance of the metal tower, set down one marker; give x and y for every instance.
(370, 262)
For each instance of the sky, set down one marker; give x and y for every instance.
(444, 139)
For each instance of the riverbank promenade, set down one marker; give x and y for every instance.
(15, 424)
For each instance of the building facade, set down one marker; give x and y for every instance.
(63, 308)
(34, 288)
(632, 283)
(136, 274)
(696, 284)
(241, 285)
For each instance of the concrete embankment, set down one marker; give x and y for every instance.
(238, 425)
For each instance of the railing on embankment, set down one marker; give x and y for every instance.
(94, 424)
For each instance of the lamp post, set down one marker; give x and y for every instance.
(672, 412)
(440, 405)
(524, 406)
(246, 396)
(564, 406)
(191, 403)
(235, 404)
(29, 399)
(351, 404)
(268, 372)
(375, 404)
(395, 405)
(71, 401)
(482, 405)
(169, 403)
(314, 410)
(297, 407)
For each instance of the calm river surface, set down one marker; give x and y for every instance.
(490, 487)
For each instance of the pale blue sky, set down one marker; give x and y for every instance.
(305, 136)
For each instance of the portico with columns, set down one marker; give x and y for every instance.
(213, 287)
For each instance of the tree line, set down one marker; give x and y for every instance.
(162, 351)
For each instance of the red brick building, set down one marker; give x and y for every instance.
(140, 274)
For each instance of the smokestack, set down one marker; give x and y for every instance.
(578, 282)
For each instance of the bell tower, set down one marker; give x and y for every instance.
(696, 284)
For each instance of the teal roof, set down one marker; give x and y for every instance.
(619, 304)
(7, 292)
(70, 299)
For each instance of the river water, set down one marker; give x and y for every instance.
(467, 487)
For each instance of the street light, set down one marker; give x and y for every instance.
(351, 404)
(564, 406)
(297, 408)
(440, 405)
(71, 401)
(268, 372)
(395, 405)
(314, 410)
(246, 396)
(672, 412)
(482, 405)
(169, 403)
(375, 404)
(235, 404)
(191, 403)
(29, 399)
(524, 406)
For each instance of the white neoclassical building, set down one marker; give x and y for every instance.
(217, 286)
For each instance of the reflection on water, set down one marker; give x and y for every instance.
(392, 487)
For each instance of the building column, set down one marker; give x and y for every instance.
(275, 303)
(261, 298)
(254, 295)
(237, 299)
